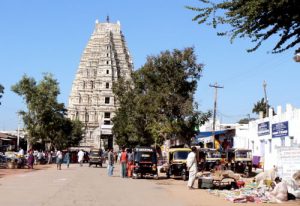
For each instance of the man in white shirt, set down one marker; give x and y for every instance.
(280, 192)
(21, 152)
(191, 163)
(80, 155)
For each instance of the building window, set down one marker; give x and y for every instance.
(106, 100)
(107, 85)
(92, 84)
(262, 148)
(107, 71)
(106, 122)
(86, 117)
(107, 54)
(282, 141)
(106, 114)
(291, 140)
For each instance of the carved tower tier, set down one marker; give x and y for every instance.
(104, 60)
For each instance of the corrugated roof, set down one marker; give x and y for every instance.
(3, 135)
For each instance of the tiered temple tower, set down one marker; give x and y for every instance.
(104, 60)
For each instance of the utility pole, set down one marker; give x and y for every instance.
(216, 86)
(266, 99)
(18, 140)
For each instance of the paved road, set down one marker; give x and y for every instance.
(82, 186)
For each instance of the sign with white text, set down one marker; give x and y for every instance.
(280, 129)
(288, 161)
(263, 128)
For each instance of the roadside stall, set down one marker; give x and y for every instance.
(232, 187)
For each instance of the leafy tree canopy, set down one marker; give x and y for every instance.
(258, 20)
(1, 91)
(245, 120)
(158, 102)
(260, 106)
(45, 119)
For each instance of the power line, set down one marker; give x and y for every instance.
(252, 72)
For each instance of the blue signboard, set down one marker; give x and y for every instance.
(280, 129)
(263, 129)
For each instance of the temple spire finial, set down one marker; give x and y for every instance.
(107, 18)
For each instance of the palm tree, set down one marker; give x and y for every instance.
(260, 106)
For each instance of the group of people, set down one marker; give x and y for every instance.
(124, 157)
(59, 156)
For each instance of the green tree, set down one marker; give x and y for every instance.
(260, 106)
(1, 91)
(45, 119)
(245, 120)
(258, 20)
(158, 103)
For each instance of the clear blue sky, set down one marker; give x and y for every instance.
(50, 35)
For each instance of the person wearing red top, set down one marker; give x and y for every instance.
(123, 161)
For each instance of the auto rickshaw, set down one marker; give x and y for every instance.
(176, 163)
(95, 157)
(239, 160)
(144, 162)
(208, 158)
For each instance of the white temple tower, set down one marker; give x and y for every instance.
(104, 60)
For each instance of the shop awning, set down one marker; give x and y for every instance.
(5, 139)
(206, 136)
(210, 133)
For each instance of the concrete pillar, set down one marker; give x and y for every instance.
(270, 112)
(279, 110)
(289, 111)
(261, 115)
(289, 108)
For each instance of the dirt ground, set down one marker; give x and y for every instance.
(175, 187)
(6, 172)
(178, 188)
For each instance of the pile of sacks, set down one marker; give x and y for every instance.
(293, 184)
(220, 174)
(260, 192)
(283, 190)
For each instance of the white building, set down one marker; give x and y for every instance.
(268, 136)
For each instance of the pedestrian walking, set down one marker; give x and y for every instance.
(110, 162)
(67, 158)
(123, 161)
(80, 156)
(30, 159)
(191, 163)
(59, 157)
(50, 157)
(129, 162)
(35, 153)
